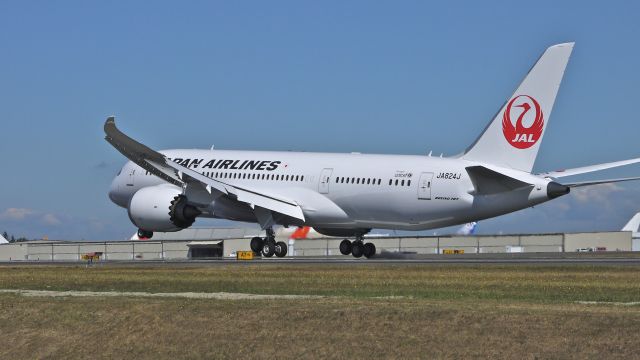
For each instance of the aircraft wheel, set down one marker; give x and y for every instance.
(281, 249)
(369, 250)
(268, 249)
(143, 234)
(345, 247)
(357, 249)
(256, 244)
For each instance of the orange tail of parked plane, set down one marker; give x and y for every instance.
(300, 233)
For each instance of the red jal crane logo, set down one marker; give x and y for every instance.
(519, 136)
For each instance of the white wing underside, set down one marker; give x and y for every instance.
(174, 173)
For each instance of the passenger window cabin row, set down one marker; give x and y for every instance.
(370, 181)
(398, 182)
(245, 176)
(354, 180)
(279, 177)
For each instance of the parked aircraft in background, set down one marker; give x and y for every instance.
(298, 233)
(3, 240)
(349, 194)
(468, 229)
(633, 226)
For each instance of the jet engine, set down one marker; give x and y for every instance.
(161, 208)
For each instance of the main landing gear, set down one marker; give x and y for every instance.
(144, 234)
(268, 246)
(357, 248)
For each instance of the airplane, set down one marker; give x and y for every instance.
(299, 233)
(347, 195)
(3, 240)
(468, 229)
(633, 225)
(307, 232)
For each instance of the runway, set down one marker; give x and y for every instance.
(621, 258)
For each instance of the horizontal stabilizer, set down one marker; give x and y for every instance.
(588, 169)
(598, 182)
(487, 181)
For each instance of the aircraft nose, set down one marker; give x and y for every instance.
(114, 193)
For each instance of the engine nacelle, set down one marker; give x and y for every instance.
(161, 208)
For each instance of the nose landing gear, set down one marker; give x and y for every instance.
(357, 248)
(144, 234)
(268, 245)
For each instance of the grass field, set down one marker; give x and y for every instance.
(364, 311)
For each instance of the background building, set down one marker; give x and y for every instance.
(221, 243)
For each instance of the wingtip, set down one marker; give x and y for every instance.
(110, 124)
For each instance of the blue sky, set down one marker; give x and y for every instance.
(402, 77)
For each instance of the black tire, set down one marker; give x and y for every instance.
(369, 250)
(268, 249)
(357, 249)
(256, 244)
(345, 247)
(281, 249)
(144, 235)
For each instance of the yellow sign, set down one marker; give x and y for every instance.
(244, 255)
(452, 251)
(90, 257)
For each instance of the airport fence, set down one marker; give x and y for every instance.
(186, 249)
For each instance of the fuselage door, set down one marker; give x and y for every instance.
(325, 178)
(424, 186)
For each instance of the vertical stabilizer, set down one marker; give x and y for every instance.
(513, 137)
(633, 224)
(467, 229)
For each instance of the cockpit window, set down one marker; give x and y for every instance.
(119, 172)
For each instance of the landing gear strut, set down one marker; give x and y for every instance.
(144, 234)
(357, 248)
(268, 245)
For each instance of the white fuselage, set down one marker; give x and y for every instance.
(344, 191)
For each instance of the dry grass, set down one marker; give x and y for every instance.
(450, 312)
(543, 284)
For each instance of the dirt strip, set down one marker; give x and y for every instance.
(186, 295)
(633, 303)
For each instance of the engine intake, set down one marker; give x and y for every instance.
(181, 213)
(161, 208)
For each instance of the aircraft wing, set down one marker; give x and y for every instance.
(588, 169)
(174, 173)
